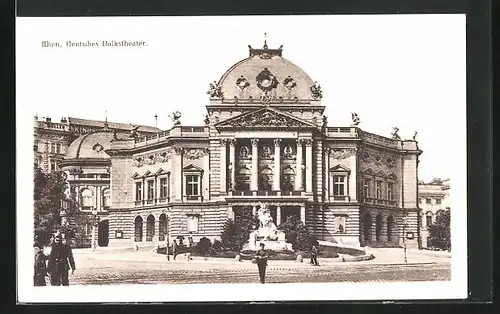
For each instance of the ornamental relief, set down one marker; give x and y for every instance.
(195, 153)
(378, 159)
(340, 154)
(267, 118)
(152, 159)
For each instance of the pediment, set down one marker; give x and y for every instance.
(192, 168)
(160, 172)
(340, 168)
(265, 118)
(380, 174)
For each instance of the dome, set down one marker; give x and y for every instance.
(90, 145)
(265, 74)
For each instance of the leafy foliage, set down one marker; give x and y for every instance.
(297, 234)
(217, 245)
(236, 233)
(203, 246)
(439, 231)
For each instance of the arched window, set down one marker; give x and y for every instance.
(138, 229)
(243, 179)
(150, 228)
(266, 179)
(288, 179)
(428, 219)
(367, 227)
(390, 224)
(106, 199)
(162, 227)
(378, 227)
(86, 199)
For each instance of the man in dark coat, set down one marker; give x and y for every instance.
(261, 259)
(40, 266)
(60, 260)
(314, 255)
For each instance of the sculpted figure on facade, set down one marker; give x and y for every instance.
(395, 134)
(289, 83)
(340, 154)
(133, 131)
(175, 117)
(195, 153)
(244, 151)
(415, 135)
(288, 151)
(138, 162)
(215, 90)
(355, 119)
(316, 91)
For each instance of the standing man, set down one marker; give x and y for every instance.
(60, 260)
(40, 265)
(314, 255)
(261, 258)
(174, 249)
(190, 239)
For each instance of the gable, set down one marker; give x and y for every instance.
(192, 168)
(339, 168)
(264, 118)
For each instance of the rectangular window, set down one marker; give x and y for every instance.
(428, 220)
(138, 191)
(53, 165)
(53, 148)
(192, 185)
(428, 201)
(163, 188)
(366, 188)
(151, 189)
(192, 223)
(58, 148)
(438, 201)
(339, 185)
(378, 190)
(390, 189)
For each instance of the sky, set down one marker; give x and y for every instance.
(407, 71)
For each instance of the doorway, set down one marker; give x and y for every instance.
(103, 233)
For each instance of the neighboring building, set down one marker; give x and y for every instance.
(265, 140)
(433, 198)
(51, 139)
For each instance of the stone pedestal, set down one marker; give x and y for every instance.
(255, 240)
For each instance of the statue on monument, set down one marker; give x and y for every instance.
(267, 228)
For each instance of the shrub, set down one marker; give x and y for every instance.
(203, 246)
(217, 245)
(296, 233)
(236, 233)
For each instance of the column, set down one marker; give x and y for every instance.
(232, 163)
(254, 210)
(298, 173)
(277, 165)
(230, 212)
(326, 172)
(309, 166)
(278, 215)
(223, 166)
(254, 181)
(303, 214)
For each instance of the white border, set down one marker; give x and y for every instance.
(454, 289)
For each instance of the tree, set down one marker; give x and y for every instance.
(49, 191)
(296, 233)
(439, 231)
(235, 233)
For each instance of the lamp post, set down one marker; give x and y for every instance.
(405, 225)
(95, 222)
(168, 237)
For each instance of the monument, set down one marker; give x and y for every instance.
(267, 233)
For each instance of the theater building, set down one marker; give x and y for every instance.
(265, 140)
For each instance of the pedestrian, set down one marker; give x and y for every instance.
(175, 249)
(314, 255)
(40, 265)
(60, 260)
(190, 239)
(261, 259)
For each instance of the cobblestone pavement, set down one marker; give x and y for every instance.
(121, 269)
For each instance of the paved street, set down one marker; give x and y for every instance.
(148, 268)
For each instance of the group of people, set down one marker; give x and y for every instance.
(178, 243)
(55, 265)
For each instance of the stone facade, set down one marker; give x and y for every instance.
(433, 198)
(265, 140)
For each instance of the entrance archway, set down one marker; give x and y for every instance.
(103, 233)
(390, 224)
(138, 229)
(367, 227)
(163, 227)
(378, 227)
(150, 228)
